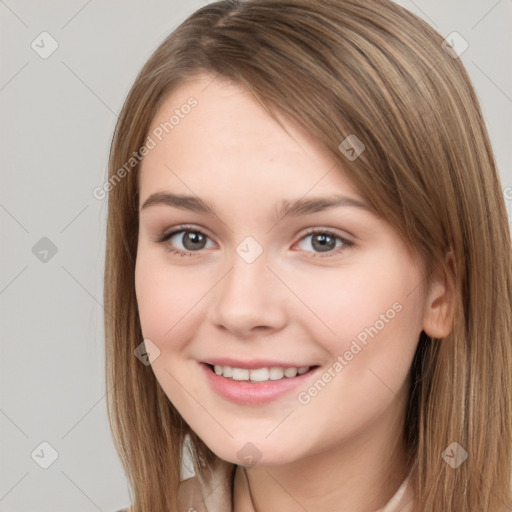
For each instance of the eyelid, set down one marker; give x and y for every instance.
(344, 235)
(164, 236)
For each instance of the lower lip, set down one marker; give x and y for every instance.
(249, 393)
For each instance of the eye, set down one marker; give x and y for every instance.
(191, 240)
(194, 240)
(325, 241)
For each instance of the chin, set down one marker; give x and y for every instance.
(253, 453)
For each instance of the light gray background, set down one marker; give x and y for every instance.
(57, 119)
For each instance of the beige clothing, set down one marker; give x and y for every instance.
(213, 492)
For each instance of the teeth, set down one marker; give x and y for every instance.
(240, 374)
(259, 374)
(290, 372)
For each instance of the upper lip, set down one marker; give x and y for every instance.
(254, 363)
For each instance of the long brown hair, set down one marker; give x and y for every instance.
(341, 67)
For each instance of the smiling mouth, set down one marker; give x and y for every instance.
(259, 375)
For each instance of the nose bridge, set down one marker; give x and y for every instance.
(248, 295)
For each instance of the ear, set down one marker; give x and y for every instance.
(440, 301)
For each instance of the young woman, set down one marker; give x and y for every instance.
(308, 269)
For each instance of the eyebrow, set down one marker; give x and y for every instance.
(285, 208)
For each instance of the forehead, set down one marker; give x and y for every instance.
(213, 135)
(222, 114)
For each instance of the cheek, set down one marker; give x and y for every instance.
(165, 298)
(376, 320)
(371, 314)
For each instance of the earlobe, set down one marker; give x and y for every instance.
(439, 304)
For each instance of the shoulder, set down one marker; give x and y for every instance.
(190, 494)
(210, 490)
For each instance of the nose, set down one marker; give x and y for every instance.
(250, 299)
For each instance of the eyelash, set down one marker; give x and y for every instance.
(166, 236)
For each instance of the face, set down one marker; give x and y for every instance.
(226, 278)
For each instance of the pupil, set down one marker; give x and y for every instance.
(326, 242)
(191, 239)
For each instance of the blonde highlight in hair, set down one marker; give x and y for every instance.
(341, 67)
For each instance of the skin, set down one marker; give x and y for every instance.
(342, 450)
